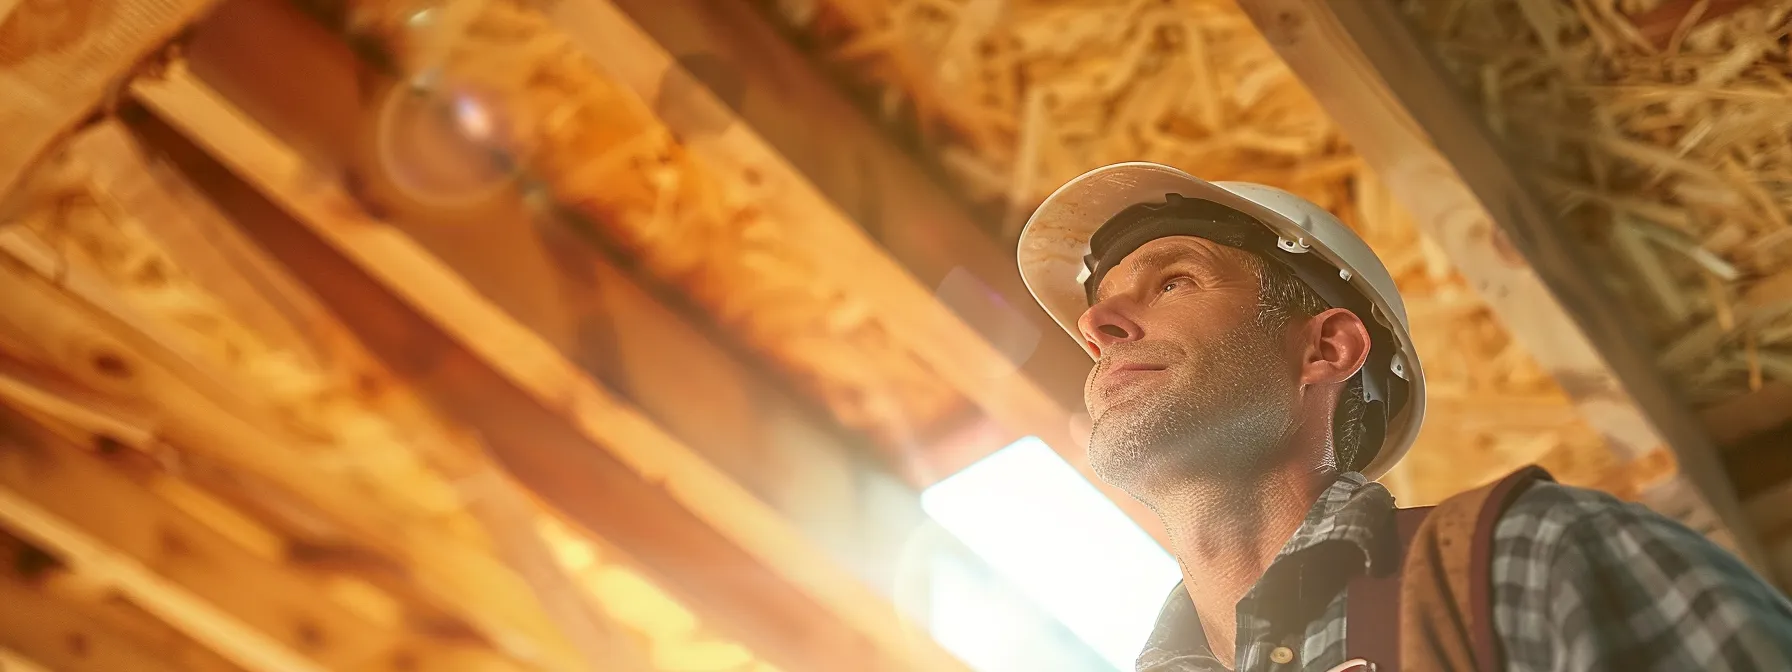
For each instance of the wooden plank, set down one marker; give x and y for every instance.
(825, 238)
(117, 504)
(26, 385)
(203, 622)
(251, 283)
(633, 334)
(572, 442)
(771, 88)
(94, 337)
(1396, 107)
(244, 51)
(58, 62)
(823, 338)
(51, 626)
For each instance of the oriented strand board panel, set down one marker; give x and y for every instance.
(1658, 133)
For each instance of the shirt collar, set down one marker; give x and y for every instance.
(1352, 510)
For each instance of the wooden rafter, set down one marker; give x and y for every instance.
(571, 441)
(56, 620)
(60, 64)
(776, 93)
(82, 326)
(117, 505)
(196, 253)
(1390, 99)
(231, 638)
(821, 233)
(250, 282)
(634, 338)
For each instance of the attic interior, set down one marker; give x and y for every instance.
(685, 335)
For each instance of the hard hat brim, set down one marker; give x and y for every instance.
(1056, 238)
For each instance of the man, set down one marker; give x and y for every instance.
(1254, 374)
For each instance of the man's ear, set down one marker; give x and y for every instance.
(1337, 346)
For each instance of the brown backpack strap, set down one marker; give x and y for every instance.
(1446, 586)
(1372, 603)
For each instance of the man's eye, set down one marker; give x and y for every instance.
(1173, 284)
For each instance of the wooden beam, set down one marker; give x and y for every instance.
(775, 92)
(114, 499)
(510, 518)
(823, 237)
(62, 61)
(1399, 110)
(636, 334)
(61, 626)
(89, 332)
(572, 442)
(250, 282)
(203, 622)
(633, 337)
(28, 386)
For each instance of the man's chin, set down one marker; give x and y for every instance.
(1124, 446)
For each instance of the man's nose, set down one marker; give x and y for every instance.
(1106, 323)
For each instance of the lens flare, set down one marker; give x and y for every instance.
(443, 144)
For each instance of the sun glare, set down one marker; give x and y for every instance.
(1034, 519)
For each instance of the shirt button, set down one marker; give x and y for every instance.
(1282, 655)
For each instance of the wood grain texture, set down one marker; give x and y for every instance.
(198, 619)
(575, 444)
(116, 504)
(826, 243)
(765, 83)
(67, 631)
(251, 284)
(631, 334)
(83, 325)
(1376, 81)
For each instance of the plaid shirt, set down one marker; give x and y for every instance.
(1582, 581)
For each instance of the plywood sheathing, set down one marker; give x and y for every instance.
(181, 335)
(1014, 98)
(1659, 130)
(600, 150)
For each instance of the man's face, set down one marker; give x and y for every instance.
(1187, 379)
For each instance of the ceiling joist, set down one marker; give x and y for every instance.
(58, 624)
(78, 323)
(198, 619)
(569, 440)
(823, 235)
(1383, 90)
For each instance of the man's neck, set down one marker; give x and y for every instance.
(1225, 534)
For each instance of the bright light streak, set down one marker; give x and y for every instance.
(1032, 517)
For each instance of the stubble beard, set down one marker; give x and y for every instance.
(1223, 419)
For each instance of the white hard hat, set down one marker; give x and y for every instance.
(1060, 264)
